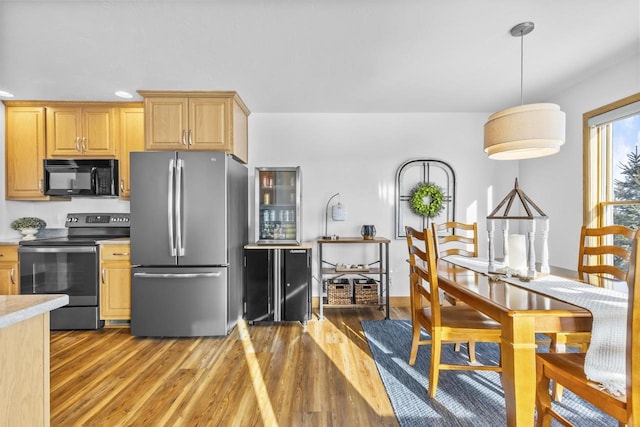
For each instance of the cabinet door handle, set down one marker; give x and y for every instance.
(102, 276)
(122, 185)
(121, 254)
(40, 182)
(184, 137)
(84, 143)
(13, 276)
(190, 137)
(77, 143)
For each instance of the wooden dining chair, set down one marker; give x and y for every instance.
(567, 369)
(445, 324)
(600, 249)
(455, 238)
(605, 252)
(603, 257)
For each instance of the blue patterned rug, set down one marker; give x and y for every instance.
(464, 398)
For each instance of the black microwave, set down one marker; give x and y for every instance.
(81, 177)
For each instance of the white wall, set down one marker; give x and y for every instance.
(555, 182)
(358, 155)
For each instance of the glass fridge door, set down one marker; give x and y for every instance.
(278, 205)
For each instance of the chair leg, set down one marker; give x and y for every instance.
(457, 346)
(471, 347)
(414, 344)
(434, 369)
(543, 399)
(557, 345)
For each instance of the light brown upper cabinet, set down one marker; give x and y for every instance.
(196, 121)
(35, 130)
(81, 131)
(131, 138)
(24, 151)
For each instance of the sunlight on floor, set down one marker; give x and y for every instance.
(259, 387)
(332, 335)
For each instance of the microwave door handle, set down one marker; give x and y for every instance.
(178, 205)
(94, 180)
(170, 208)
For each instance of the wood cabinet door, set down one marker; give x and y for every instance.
(131, 139)
(115, 298)
(115, 281)
(9, 279)
(207, 124)
(97, 139)
(64, 132)
(25, 149)
(165, 123)
(9, 273)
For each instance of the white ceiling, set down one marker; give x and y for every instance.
(390, 56)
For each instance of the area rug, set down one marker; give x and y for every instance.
(464, 398)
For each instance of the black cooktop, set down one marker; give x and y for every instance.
(86, 229)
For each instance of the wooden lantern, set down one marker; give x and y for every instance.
(532, 214)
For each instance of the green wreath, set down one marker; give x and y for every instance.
(426, 200)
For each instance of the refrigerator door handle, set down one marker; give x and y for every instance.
(170, 208)
(178, 205)
(176, 275)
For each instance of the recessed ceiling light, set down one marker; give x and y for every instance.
(123, 94)
(5, 94)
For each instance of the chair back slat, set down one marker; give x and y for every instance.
(455, 238)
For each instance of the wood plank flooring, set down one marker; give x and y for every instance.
(263, 375)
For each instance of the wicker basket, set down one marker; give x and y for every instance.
(365, 291)
(338, 291)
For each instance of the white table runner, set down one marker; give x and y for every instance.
(605, 360)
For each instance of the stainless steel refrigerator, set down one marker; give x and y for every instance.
(189, 224)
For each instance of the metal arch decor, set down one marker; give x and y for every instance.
(431, 172)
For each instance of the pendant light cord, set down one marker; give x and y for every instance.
(521, 67)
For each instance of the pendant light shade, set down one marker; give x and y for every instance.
(528, 130)
(524, 132)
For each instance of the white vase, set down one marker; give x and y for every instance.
(29, 233)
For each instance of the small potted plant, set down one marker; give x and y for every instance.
(28, 226)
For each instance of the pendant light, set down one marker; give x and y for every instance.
(525, 131)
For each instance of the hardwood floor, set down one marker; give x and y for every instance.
(265, 375)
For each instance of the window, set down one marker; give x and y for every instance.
(612, 165)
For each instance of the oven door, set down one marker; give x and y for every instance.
(71, 270)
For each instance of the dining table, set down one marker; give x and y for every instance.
(522, 313)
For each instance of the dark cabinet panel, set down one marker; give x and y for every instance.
(278, 284)
(259, 286)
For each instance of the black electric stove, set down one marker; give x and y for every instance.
(70, 265)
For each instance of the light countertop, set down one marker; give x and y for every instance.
(10, 241)
(304, 245)
(16, 308)
(117, 241)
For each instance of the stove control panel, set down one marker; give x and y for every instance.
(98, 220)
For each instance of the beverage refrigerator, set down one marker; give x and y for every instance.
(278, 206)
(189, 224)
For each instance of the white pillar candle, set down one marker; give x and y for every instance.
(517, 252)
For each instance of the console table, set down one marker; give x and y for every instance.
(379, 269)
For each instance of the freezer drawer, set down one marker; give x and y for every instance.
(179, 302)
